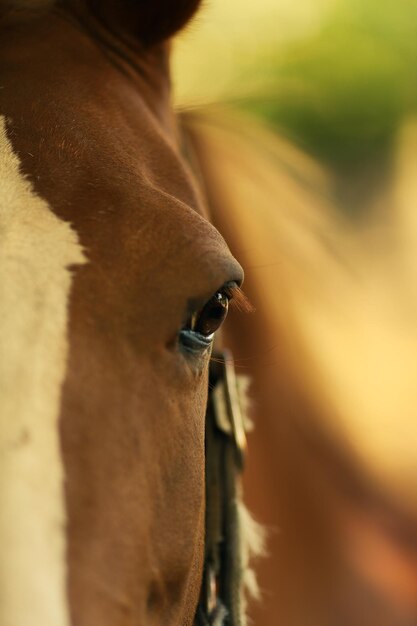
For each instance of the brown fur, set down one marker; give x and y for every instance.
(90, 119)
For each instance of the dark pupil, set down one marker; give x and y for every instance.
(212, 314)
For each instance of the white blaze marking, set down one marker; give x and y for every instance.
(36, 248)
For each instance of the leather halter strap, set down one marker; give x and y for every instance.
(220, 601)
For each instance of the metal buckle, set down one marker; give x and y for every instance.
(227, 408)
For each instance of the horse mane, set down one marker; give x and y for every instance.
(311, 274)
(209, 134)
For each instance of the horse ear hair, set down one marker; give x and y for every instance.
(151, 21)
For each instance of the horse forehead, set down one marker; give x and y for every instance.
(129, 186)
(92, 126)
(90, 138)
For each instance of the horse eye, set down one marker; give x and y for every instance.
(197, 335)
(211, 316)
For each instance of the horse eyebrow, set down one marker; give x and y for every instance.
(238, 299)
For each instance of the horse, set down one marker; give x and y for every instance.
(331, 353)
(120, 442)
(113, 284)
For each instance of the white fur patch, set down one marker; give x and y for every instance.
(36, 248)
(252, 545)
(252, 535)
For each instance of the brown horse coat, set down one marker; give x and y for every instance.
(105, 252)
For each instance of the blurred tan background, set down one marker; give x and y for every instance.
(305, 124)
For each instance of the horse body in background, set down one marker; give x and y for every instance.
(105, 258)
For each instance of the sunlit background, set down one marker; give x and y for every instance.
(336, 76)
(321, 161)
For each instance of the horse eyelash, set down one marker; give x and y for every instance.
(238, 299)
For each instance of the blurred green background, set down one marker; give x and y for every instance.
(337, 77)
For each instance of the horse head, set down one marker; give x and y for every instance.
(113, 282)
